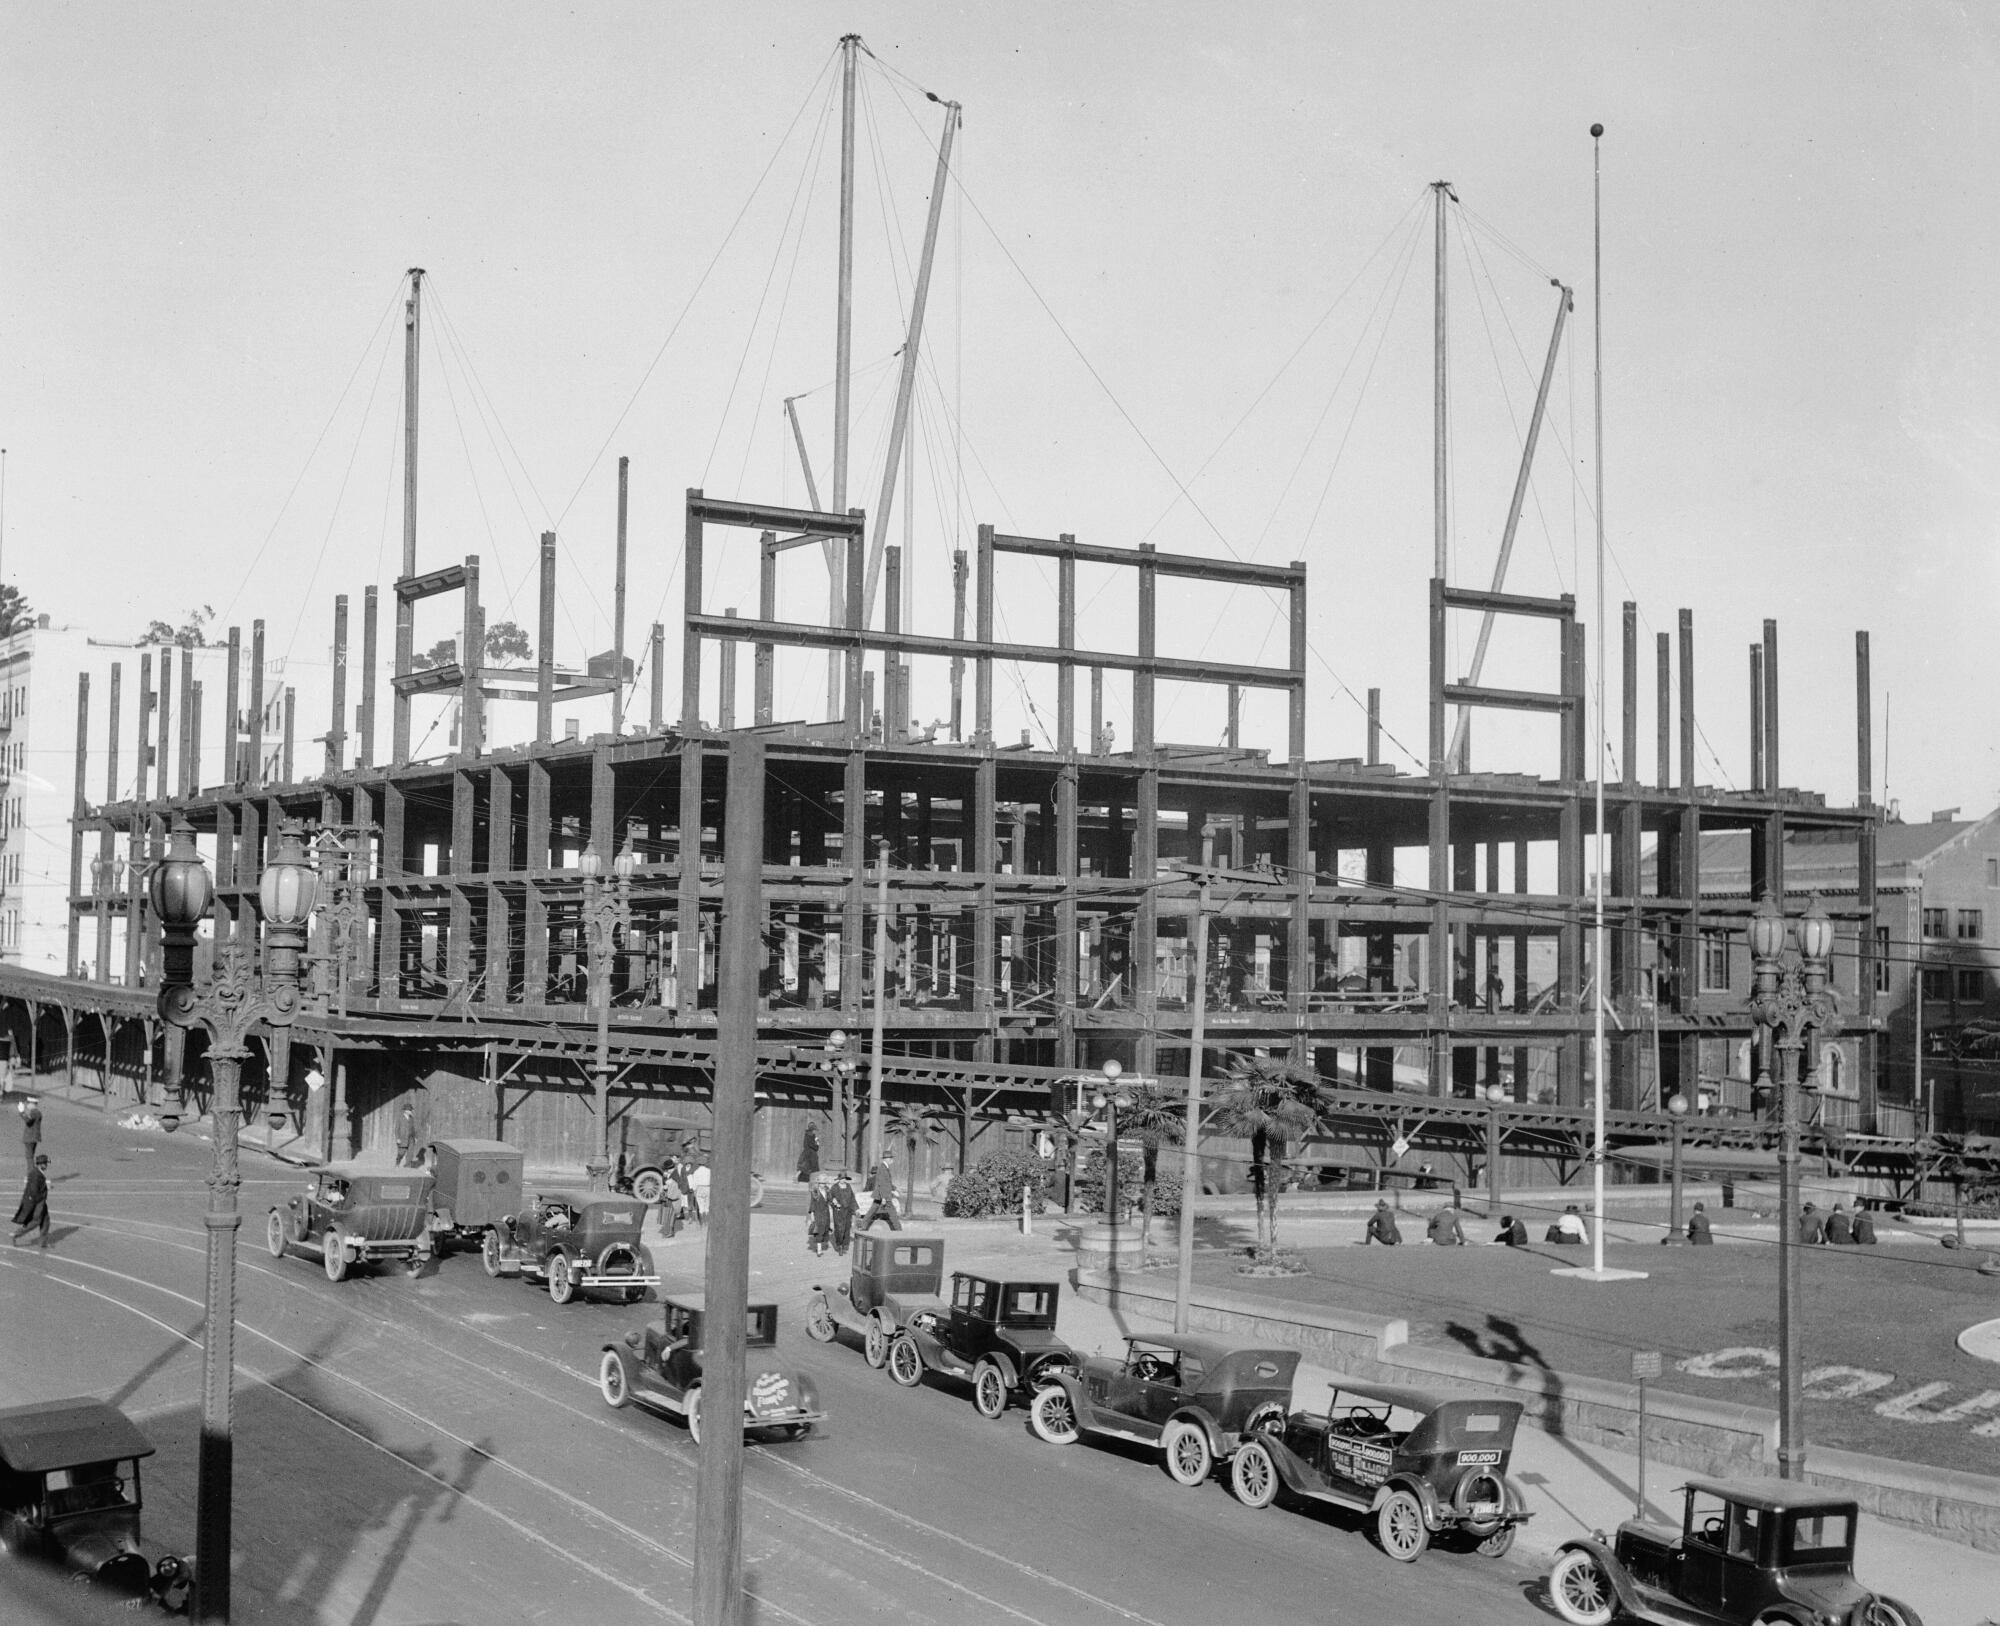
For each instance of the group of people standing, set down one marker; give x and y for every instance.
(832, 1208)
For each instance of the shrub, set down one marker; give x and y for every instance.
(1090, 1182)
(993, 1185)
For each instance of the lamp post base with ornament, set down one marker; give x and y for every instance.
(235, 1002)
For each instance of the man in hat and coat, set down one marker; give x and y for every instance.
(819, 1218)
(1382, 1226)
(809, 1156)
(843, 1205)
(31, 1214)
(1698, 1231)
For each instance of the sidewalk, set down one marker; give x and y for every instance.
(1573, 1488)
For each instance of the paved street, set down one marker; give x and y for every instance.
(435, 1450)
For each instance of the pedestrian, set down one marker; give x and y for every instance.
(1864, 1228)
(1839, 1227)
(31, 1214)
(1444, 1229)
(406, 1135)
(843, 1205)
(1569, 1228)
(882, 1194)
(1382, 1226)
(1513, 1234)
(31, 1128)
(1812, 1228)
(1698, 1231)
(681, 1172)
(809, 1156)
(819, 1218)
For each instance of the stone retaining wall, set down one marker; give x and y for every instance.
(1708, 1436)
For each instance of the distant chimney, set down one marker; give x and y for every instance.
(42, 621)
(1944, 815)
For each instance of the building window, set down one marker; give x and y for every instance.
(1937, 983)
(1971, 924)
(1714, 962)
(1971, 984)
(1881, 959)
(1993, 872)
(1937, 923)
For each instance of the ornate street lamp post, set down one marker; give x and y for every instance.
(1109, 1099)
(1677, 1110)
(236, 1001)
(1794, 1010)
(841, 1066)
(607, 911)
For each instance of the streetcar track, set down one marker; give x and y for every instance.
(848, 1536)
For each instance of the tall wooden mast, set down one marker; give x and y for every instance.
(843, 352)
(406, 610)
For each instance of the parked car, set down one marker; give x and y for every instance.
(895, 1278)
(574, 1241)
(1420, 1463)
(663, 1366)
(357, 1216)
(1196, 1398)
(69, 1496)
(650, 1143)
(998, 1334)
(1747, 1550)
(475, 1185)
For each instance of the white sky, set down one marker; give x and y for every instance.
(208, 210)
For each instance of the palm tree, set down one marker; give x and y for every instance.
(1271, 1102)
(911, 1124)
(1156, 1116)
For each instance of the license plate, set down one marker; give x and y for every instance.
(1478, 1459)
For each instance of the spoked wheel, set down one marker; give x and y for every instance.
(875, 1347)
(613, 1381)
(647, 1185)
(819, 1320)
(906, 1361)
(489, 1252)
(1497, 1543)
(1052, 1417)
(694, 1414)
(1580, 1589)
(989, 1390)
(1253, 1476)
(335, 1254)
(562, 1281)
(1881, 1611)
(274, 1234)
(1188, 1456)
(1400, 1527)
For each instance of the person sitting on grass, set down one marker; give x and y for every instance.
(1812, 1227)
(1698, 1231)
(1513, 1234)
(1569, 1227)
(1444, 1229)
(1382, 1226)
(1839, 1227)
(1864, 1228)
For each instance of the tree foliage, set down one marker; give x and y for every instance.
(15, 611)
(505, 641)
(1271, 1102)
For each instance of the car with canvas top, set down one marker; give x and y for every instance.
(355, 1215)
(574, 1241)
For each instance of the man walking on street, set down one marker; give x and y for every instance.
(406, 1135)
(882, 1194)
(31, 1127)
(32, 1214)
(843, 1205)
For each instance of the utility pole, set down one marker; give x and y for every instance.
(875, 1036)
(843, 362)
(406, 609)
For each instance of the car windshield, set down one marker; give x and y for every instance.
(1820, 1537)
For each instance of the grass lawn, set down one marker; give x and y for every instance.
(1892, 1310)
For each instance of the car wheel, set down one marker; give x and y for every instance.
(989, 1390)
(875, 1347)
(1253, 1476)
(489, 1252)
(906, 1361)
(335, 1254)
(1399, 1526)
(647, 1185)
(819, 1320)
(1880, 1611)
(1498, 1544)
(1580, 1589)
(694, 1414)
(1052, 1417)
(562, 1282)
(274, 1234)
(614, 1382)
(1188, 1456)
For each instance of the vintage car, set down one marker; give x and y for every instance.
(574, 1241)
(999, 1335)
(1420, 1463)
(475, 1185)
(663, 1366)
(1196, 1398)
(69, 1496)
(895, 1278)
(651, 1143)
(1747, 1551)
(357, 1216)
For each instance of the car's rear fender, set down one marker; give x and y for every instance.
(1437, 1513)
